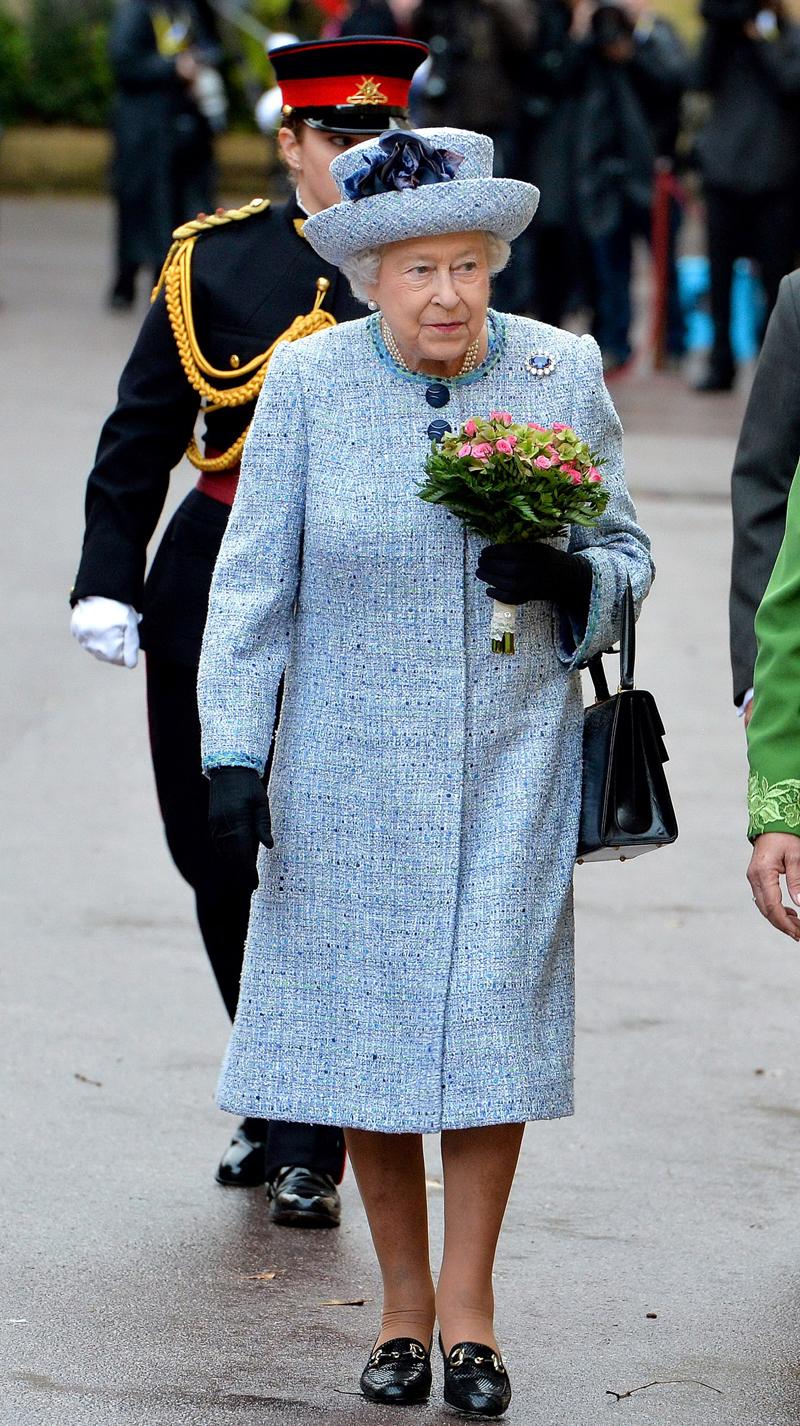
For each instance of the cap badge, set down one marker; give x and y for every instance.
(368, 92)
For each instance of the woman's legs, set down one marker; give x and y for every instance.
(390, 1173)
(479, 1167)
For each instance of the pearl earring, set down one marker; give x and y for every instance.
(373, 306)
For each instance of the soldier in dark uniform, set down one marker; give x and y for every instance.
(234, 283)
(163, 141)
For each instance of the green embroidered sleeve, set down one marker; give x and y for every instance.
(773, 737)
(772, 803)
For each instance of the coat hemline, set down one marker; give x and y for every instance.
(250, 1108)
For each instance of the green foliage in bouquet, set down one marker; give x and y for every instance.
(509, 482)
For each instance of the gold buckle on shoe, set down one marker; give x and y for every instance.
(458, 1359)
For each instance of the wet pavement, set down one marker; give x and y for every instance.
(649, 1272)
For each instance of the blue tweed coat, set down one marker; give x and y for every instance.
(409, 964)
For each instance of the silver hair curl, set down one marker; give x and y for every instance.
(361, 270)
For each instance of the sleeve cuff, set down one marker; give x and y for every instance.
(213, 760)
(576, 645)
(773, 806)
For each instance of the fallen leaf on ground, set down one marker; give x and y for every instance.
(263, 1277)
(84, 1079)
(345, 1302)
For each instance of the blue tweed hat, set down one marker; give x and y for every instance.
(414, 184)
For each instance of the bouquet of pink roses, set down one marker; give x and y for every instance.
(509, 483)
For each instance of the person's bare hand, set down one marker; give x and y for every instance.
(620, 52)
(776, 854)
(404, 10)
(748, 713)
(582, 11)
(186, 66)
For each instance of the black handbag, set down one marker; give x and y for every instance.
(626, 808)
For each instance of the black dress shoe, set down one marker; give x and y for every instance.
(716, 378)
(244, 1163)
(475, 1381)
(398, 1373)
(300, 1198)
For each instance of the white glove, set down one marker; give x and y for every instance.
(108, 629)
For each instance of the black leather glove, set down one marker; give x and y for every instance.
(518, 573)
(238, 816)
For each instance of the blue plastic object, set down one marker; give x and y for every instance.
(748, 306)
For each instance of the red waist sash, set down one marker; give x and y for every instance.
(221, 487)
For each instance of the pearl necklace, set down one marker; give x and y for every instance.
(470, 356)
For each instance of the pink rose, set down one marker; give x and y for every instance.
(465, 450)
(559, 426)
(512, 440)
(502, 416)
(593, 471)
(532, 426)
(570, 471)
(594, 477)
(483, 450)
(555, 455)
(576, 478)
(470, 428)
(504, 446)
(543, 462)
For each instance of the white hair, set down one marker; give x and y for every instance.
(362, 269)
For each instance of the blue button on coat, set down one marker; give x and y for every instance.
(409, 963)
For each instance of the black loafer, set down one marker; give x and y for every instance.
(300, 1198)
(398, 1373)
(244, 1163)
(716, 378)
(475, 1380)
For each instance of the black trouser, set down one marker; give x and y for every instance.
(223, 904)
(763, 228)
(561, 272)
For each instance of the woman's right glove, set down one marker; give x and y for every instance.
(530, 569)
(238, 817)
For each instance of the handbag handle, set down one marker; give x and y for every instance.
(627, 652)
(627, 641)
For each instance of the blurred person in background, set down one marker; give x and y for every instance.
(635, 73)
(478, 60)
(170, 100)
(749, 154)
(235, 284)
(555, 78)
(480, 54)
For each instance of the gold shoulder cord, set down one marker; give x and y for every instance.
(176, 279)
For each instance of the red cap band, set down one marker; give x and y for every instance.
(359, 90)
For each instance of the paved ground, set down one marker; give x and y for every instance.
(652, 1239)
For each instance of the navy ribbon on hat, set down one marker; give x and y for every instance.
(401, 161)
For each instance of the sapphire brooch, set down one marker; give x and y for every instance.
(540, 363)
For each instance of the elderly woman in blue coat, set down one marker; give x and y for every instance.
(409, 967)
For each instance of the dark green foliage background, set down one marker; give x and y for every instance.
(53, 64)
